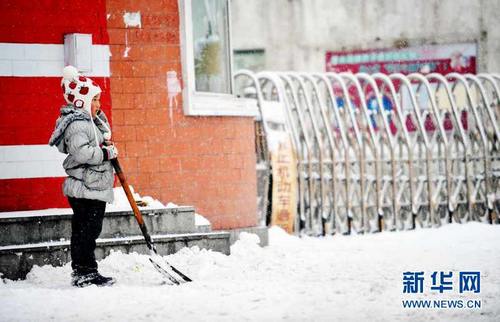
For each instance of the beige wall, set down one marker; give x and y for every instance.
(297, 33)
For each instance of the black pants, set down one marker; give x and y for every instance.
(86, 225)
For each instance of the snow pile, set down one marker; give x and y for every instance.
(246, 246)
(121, 202)
(199, 220)
(171, 205)
(278, 236)
(346, 278)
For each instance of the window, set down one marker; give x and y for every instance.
(207, 60)
(211, 46)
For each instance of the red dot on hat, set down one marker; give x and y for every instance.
(71, 97)
(84, 90)
(72, 85)
(82, 79)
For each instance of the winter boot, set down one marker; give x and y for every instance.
(83, 280)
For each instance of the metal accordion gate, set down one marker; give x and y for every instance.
(384, 152)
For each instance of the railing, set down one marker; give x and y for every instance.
(385, 152)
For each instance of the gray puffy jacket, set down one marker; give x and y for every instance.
(89, 176)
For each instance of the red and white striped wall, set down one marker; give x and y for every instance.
(31, 63)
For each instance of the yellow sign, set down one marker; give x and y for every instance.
(284, 202)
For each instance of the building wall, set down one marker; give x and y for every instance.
(297, 33)
(30, 96)
(207, 162)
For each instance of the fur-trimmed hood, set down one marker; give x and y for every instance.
(69, 114)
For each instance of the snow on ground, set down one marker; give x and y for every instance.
(347, 278)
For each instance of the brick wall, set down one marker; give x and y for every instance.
(207, 162)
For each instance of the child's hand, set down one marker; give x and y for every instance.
(110, 151)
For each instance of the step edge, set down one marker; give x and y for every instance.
(136, 239)
(147, 211)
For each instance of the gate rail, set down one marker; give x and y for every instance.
(386, 152)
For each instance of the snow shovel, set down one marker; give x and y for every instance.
(164, 269)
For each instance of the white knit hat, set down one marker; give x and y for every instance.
(78, 90)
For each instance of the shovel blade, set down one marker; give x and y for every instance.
(163, 271)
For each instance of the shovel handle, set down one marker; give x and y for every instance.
(131, 200)
(140, 221)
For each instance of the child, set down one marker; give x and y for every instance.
(80, 132)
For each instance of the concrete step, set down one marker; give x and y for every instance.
(17, 260)
(28, 227)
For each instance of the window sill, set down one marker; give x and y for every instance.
(207, 104)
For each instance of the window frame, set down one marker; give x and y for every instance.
(196, 103)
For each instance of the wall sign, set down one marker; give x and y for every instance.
(443, 59)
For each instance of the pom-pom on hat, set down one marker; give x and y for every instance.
(78, 90)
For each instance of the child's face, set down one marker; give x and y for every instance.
(96, 105)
